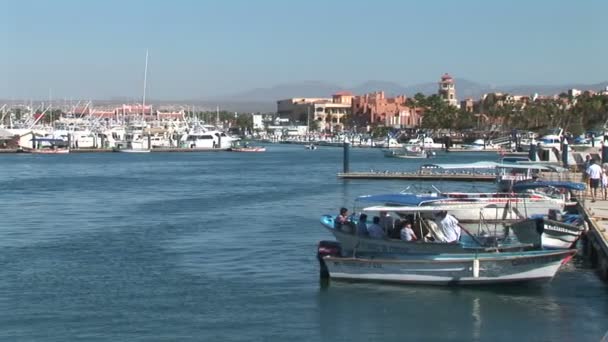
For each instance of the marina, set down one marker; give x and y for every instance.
(171, 257)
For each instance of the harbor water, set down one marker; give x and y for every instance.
(222, 247)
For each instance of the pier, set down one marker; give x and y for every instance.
(462, 177)
(596, 239)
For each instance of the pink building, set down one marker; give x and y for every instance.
(377, 109)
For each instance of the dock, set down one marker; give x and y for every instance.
(596, 239)
(106, 150)
(387, 175)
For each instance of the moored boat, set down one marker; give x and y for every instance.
(551, 234)
(47, 151)
(443, 269)
(248, 149)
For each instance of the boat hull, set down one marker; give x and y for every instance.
(248, 149)
(56, 151)
(449, 269)
(547, 233)
(128, 150)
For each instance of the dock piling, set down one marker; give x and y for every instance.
(346, 160)
(532, 152)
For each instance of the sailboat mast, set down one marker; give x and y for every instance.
(143, 105)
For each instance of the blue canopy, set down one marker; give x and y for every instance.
(544, 184)
(399, 199)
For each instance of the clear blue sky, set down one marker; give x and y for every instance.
(204, 48)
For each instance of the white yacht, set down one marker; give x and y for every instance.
(202, 137)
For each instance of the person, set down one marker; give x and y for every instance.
(386, 221)
(407, 234)
(594, 172)
(342, 218)
(586, 165)
(604, 182)
(375, 230)
(362, 225)
(449, 226)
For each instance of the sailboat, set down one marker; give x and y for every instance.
(131, 148)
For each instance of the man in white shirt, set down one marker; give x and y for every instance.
(594, 171)
(449, 226)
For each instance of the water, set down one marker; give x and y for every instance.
(221, 247)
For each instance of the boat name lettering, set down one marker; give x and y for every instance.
(539, 260)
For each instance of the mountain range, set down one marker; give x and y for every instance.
(264, 99)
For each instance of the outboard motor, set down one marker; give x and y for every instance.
(327, 248)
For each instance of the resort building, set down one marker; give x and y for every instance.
(377, 109)
(330, 113)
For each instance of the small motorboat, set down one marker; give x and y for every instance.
(248, 149)
(310, 147)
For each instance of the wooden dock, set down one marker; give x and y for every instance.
(596, 239)
(386, 175)
(106, 150)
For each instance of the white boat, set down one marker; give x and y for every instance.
(423, 141)
(388, 143)
(442, 269)
(507, 173)
(132, 150)
(481, 145)
(552, 139)
(310, 147)
(202, 137)
(408, 152)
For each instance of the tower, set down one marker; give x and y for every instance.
(447, 90)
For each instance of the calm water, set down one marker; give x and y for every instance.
(221, 246)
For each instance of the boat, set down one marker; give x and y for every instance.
(407, 152)
(47, 151)
(131, 150)
(507, 173)
(550, 233)
(442, 269)
(481, 145)
(248, 149)
(425, 142)
(310, 147)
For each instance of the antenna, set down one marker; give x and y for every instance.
(143, 105)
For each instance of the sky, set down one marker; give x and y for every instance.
(201, 49)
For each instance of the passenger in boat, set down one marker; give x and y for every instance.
(375, 230)
(362, 225)
(386, 221)
(449, 226)
(342, 218)
(394, 233)
(407, 233)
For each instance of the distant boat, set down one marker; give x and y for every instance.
(311, 147)
(131, 150)
(407, 152)
(47, 151)
(248, 149)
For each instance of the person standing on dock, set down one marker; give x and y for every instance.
(594, 172)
